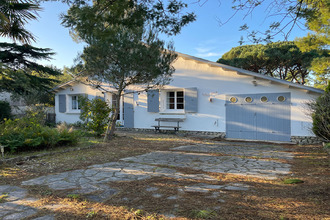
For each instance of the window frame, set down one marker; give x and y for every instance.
(176, 102)
(76, 101)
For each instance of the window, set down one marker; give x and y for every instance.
(175, 100)
(233, 99)
(114, 105)
(264, 99)
(248, 99)
(281, 98)
(75, 103)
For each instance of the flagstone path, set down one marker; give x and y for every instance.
(224, 157)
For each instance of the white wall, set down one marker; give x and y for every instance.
(212, 82)
(72, 116)
(215, 83)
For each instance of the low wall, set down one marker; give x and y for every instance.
(303, 140)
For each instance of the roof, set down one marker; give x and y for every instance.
(253, 74)
(238, 70)
(63, 85)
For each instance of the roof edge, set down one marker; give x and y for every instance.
(254, 74)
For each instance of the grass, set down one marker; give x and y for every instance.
(266, 199)
(203, 214)
(74, 196)
(3, 197)
(292, 181)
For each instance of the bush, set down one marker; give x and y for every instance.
(5, 110)
(95, 113)
(27, 133)
(321, 115)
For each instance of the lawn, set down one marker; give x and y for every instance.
(266, 199)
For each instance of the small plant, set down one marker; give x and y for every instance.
(118, 124)
(95, 114)
(202, 214)
(46, 192)
(292, 181)
(139, 213)
(3, 197)
(91, 214)
(73, 196)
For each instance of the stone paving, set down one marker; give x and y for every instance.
(14, 205)
(250, 150)
(217, 164)
(93, 181)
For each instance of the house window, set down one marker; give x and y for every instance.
(114, 105)
(175, 100)
(75, 103)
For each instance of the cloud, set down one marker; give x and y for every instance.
(211, 48)
(203, 49)
(209, 54)
(206, 52)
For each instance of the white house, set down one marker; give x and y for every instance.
(206, 96)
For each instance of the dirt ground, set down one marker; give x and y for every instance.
(267, 199)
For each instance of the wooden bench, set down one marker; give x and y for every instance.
(176, 128)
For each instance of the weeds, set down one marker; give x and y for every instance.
(74, 196)
(3, 197)
(202, 214)
(292, 181)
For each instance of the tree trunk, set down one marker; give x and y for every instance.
(112, 123)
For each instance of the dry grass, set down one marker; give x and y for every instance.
(266, 199)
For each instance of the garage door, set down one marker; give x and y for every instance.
(259, 116)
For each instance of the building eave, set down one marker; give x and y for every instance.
(252, 74)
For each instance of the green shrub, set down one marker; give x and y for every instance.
(27, 133)
(321, 115)
(95, 113)
(5, 110)
(327, 146)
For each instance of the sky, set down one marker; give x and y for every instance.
(204, 38)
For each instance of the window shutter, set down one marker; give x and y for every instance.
(62, 103)
(153, 100)
(191, 99)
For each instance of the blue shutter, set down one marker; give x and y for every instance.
(191, 99)
(62, 103)
(153, 100)
(129, 110)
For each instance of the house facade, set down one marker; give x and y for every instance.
(210, 97)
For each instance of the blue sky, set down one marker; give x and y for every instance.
(204, 38)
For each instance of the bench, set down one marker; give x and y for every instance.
(176, 128)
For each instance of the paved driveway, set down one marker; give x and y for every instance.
(247, 159)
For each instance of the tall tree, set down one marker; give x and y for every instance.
(317, 14)
(19, 73)
(14, 14)
(283, 60)
(123, 45)
(283, 17)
